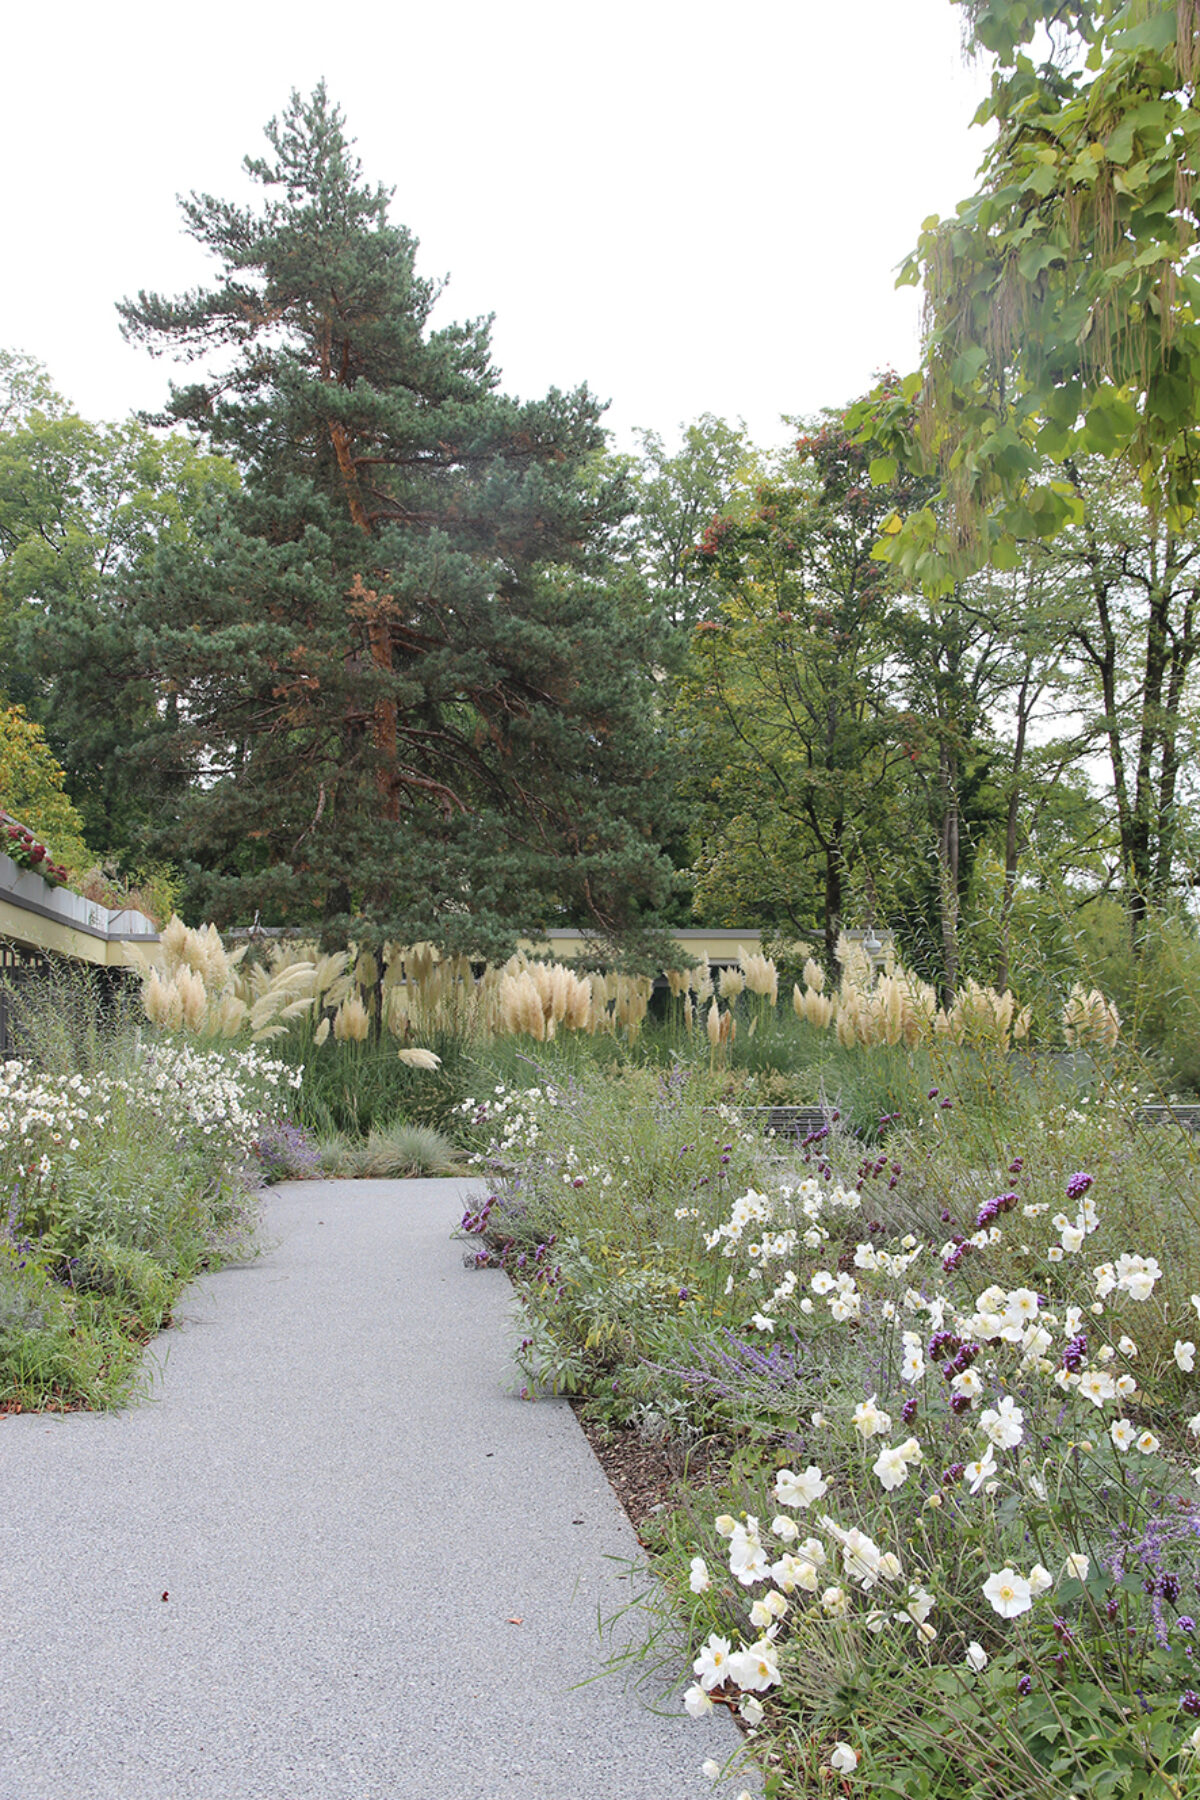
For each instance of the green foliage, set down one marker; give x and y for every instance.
(398, 1151)
(1155, 982)
(123, 1177)
(1062, 296)
(353, 1090)
(608, 1214)
(407, 704)
(32, 789)
(83, 508)
(785, 710)
(678, 496)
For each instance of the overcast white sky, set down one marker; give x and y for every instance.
(690, 206)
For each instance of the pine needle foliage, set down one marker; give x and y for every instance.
(402, 699)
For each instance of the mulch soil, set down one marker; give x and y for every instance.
(640, 1474)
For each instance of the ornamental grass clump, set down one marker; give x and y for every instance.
(195, 986)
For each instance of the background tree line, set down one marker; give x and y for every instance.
(348, 637)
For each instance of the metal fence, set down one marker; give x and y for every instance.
(18, 965)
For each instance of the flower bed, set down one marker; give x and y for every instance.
(957, 1551)
(121, 1177)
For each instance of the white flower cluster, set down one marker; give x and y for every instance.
(1000, 1362)
(41, 1115)
(823, 1570)
(770, 1230)
(514, 1116)
(219, 1094)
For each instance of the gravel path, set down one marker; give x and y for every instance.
(333, 1558)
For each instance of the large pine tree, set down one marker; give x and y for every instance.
(399, 698)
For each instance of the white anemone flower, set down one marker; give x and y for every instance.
(891, 1466)
(696, 1702)
(1096, 1386)
(1077, 1565)
(711, 1667)
(755, 1667)
(748, 1561)
(870, 1420)
(792, 1572)
(920, 1603)
(1004, 1424)
(1008, 1593)
(843, 1758)
(976, 1658)
(699, 1580)
(976, 1473)
(1185, 1355)
(800, 1490)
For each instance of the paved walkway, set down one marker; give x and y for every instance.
(296, 1573)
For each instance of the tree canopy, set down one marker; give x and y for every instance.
(1063, 298)
(32, 790)
(399, 695)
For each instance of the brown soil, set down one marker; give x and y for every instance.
(641, 1474)
(645, 1476)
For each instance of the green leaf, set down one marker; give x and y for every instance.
(1041, 180)
(1158, 32)
(1036, 257)
(967, 365)
(1119, 142)
(1062, 404)
(1052, 440)
(1110, 422)
(882, 470)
